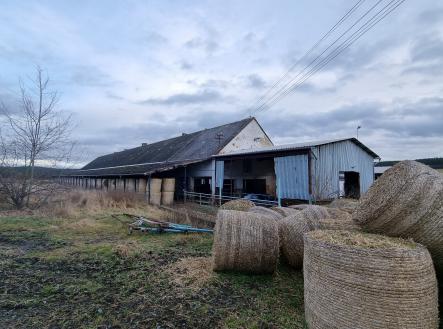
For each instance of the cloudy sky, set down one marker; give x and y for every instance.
(141, 71)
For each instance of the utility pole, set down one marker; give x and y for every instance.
(358, 128)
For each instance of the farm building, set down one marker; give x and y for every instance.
(233, 160)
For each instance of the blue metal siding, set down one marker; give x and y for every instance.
(328, 160)
(219, 173)
(292, 177)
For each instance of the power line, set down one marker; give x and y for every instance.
(338, 50)
(363, 29)
(323, 52)
(325, 36)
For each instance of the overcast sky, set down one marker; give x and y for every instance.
(142, 71)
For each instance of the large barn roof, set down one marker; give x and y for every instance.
(301, 146)
(166, 154)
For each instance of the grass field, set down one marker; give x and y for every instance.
(87, 272)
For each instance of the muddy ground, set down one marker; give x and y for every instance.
(89, 273)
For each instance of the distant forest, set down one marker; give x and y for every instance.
(436, 163)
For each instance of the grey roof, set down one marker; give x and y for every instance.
(299, 146)
(169, 153)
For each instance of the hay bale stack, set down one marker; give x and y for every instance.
(359, 280)
(265, 212)
(239, 205)
(167, 198)
(292, 229)
(245, 242)
(155, 185)
(285, 211)
(168, 185)
(406, 201)
(155, 198)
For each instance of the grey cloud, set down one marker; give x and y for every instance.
(207, 45)
(84, 75)
(255, 81)
(204, 96)
(185, 65)
(427, 48)
(413, 120)
(431, 16)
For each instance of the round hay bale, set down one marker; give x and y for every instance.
(292, 229)
(155, 185)
(406, 201)
(299, 206)
(366, 281)
(155, 198)
(168, 185)
(265, 212)
(167, 198)
(285, 211)
(245, 242)
(239, 204)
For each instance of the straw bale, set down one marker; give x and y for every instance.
(266, 212)
(155, 198)
(168, 185)
(406, 201)
(292, 229)
(238, 204)
(245, 242)
(167, 198)
(345, 224)
(366, 281)
(285, 211)
(155, 185)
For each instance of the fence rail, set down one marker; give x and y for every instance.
(218, 200)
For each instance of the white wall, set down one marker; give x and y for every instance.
(251, 137)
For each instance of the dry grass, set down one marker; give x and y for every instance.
(81, 203)
(191, 272)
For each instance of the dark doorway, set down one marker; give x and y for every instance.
(228, 187)
(202, 185)
(256, 186)
(352, 184)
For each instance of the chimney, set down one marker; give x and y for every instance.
(144, 144)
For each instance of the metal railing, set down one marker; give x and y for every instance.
(218, 200)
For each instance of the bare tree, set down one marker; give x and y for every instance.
(37, 133)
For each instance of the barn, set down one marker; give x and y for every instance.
(234, 160)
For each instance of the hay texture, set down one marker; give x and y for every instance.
(299, 206)
(266, 212)
(344, 204)
(239, 205)
(245, 242)
(292, 229)
(406, 201)
(355, 280)
(285, 211)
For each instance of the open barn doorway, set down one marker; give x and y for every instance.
(350, 184)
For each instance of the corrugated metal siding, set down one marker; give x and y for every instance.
(292, 177)
(329, 160)
(219, 173)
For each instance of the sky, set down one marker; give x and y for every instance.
(132, 72)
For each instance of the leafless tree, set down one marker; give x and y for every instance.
(38, 133)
